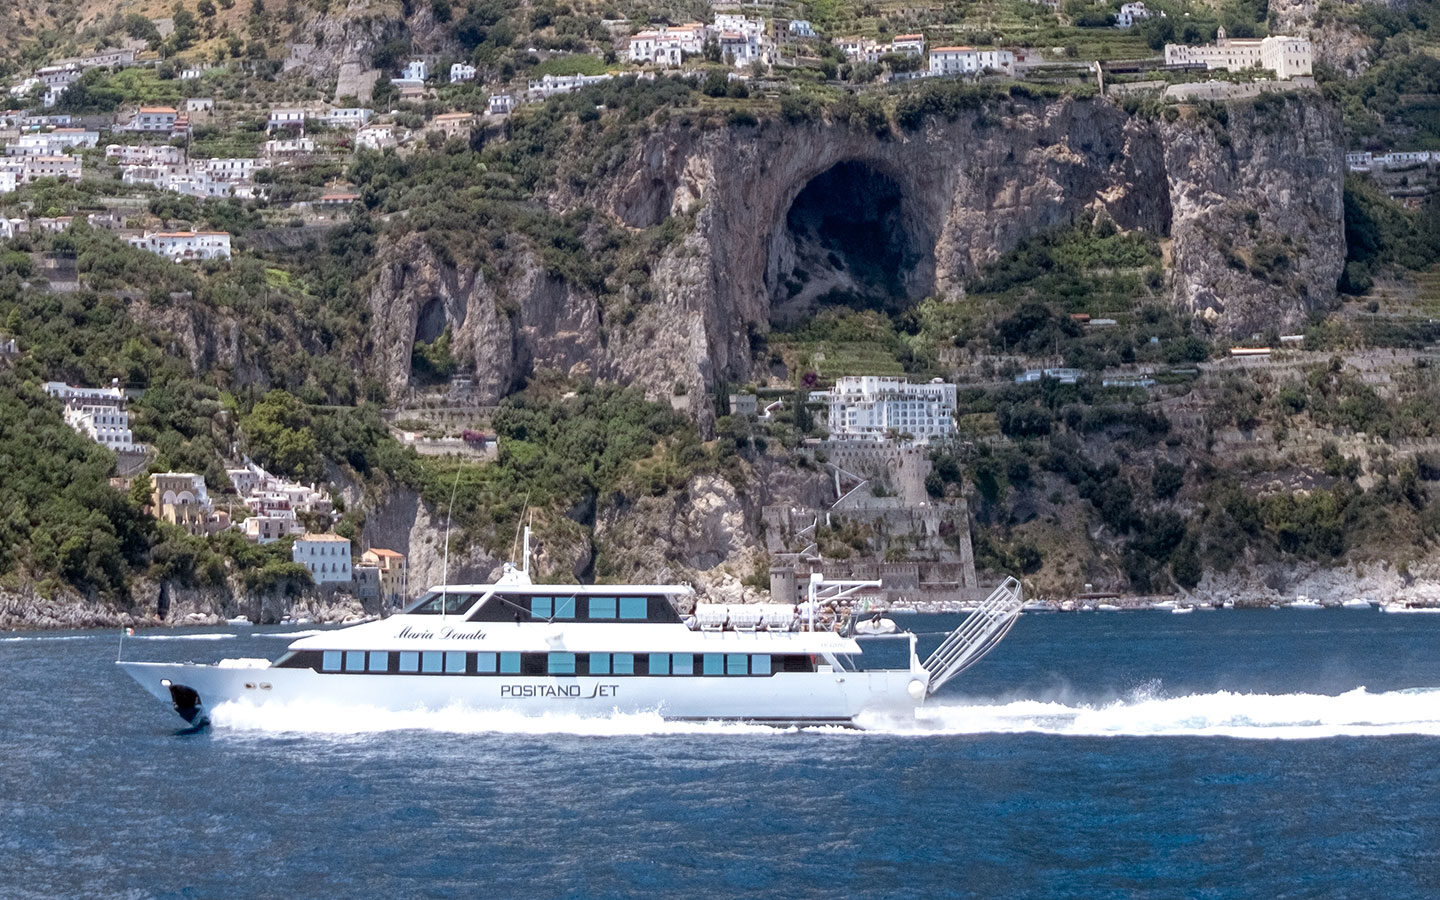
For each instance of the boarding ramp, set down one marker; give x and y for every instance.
(976, 636)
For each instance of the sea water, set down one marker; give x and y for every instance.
(1234, 754)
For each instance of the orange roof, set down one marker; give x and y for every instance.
(455, 116)
(379, 551)
(909, 37)
(309, 536)
(949, 49)
(158, 109)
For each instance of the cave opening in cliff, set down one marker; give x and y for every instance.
(849, 239)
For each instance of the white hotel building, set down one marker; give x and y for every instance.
(875, 407)
(1286, 56)
(185, 245)
(327, 556)
(97, 413)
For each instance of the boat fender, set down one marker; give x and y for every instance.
(916, 689)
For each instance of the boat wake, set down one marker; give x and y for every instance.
(1356, 713)
(216, 636)
(1221, 714)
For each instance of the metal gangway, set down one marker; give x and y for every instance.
(976, 636)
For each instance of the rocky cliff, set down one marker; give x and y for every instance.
(1249, 193)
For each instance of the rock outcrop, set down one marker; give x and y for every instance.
(1253, 206)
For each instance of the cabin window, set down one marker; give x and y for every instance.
(354, 660)
(602, 607)
(632, 607)
(454, 663)
(760, 664)
(682, 664)
(714, 664)
(736, 664)
(564, 607)
(379, 661)
(431, 661)
(540, 607)
(623, 663)
(331, 661)
(509, 664)
(447, 602)
(659, 664)
(599, 664)
(562, 664)
(409, 661)
(485, 663)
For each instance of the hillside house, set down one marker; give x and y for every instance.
(375, 137)
(179, 246)
(180, 498)
(877, 407)
(456, 124)
(1131, 14)
(394, 579)
(287, 148)
(326, 556)
(668, 46)
(67, 167)
(1285, 56)
(461, 72)
(801, 28)
(290, 119)
(145, 155)
(348, 117)
(98, 413)
(501, 105)
(154, 119)
(552, 85)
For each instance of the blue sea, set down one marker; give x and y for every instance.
(1228, 754)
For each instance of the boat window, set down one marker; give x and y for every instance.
(599, 664)
(564, 607)
(409, 661)
(797, 663)
(509, 663)
(683, 663)
(659, 664)
(430, 661)
(714, 664)
(354, 660)
(446, 602)
(379, 661)
(623, 663)
(632, 607)
(454, 663)
(562, 664)
(760, 664)
(602, 607)
(540, 607)
(331, 662)
(737, 664)
(485, 663)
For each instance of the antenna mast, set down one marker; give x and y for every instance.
(445, 567)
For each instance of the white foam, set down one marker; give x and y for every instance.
(182, 637)
(1222, 714)
(288, 635)
(310, 717)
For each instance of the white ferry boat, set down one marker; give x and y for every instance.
(593, 650)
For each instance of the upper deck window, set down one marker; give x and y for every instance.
(521, 607)
(442, 603)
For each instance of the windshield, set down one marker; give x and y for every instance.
(437, 603)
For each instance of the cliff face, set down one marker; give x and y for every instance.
(1254, 210)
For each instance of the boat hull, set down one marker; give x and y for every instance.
(783, 698)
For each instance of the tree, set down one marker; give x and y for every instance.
(206, 8)
(278, 435)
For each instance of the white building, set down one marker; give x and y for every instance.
(375, 137)
(327, 556)
(908, 45)
(61, 76)
(551, 85)
(158, 119)
(414, 73)
(859, 49)
(739, 47)
(97, 413)
(52, 143)
(1130, 14)
(668, 46)
(348, 117)
(268, 529)
(877, 407)
(7, 185)
(1064, 376)
(501, 104)
(287, 148)
(1285, 56)
(954, 61)
(145, 155)
(286, 118)
(232, 169)
(461, 72)
(50, 167)
(801, 28)
(178, 246)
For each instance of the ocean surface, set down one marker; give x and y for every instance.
(1227, 754)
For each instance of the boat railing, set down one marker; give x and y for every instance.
(976, 636)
